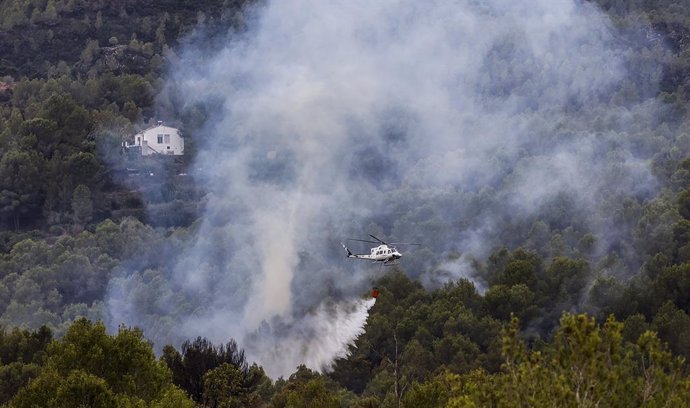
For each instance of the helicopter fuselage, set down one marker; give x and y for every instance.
(382, 253)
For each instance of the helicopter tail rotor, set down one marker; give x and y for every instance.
(349, 253)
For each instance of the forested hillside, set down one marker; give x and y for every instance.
(566, 309)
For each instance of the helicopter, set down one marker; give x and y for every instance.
(385, 252)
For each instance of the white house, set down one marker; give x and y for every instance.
(159, 139)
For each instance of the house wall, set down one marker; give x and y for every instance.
(170, 141)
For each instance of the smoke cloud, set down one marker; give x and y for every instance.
(459, 124)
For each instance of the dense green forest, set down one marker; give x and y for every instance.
(550, 328)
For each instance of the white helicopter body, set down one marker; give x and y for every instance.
(385, 252)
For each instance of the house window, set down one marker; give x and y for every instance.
(166, 139)
(160, 139)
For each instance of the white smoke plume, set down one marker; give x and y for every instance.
(441, 122)
(314, 339)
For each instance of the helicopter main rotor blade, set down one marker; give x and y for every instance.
(362, 240)
(378, 239)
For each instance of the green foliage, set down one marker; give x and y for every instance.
(126, 361)
(88, 367)
(305, 389)
(82, 207)
(586, 365)
(82, 389)
(56, 30)
(519, 267)
(173, 397)
(566, 277)
(22, 353)
(217, 376)
(14, 376)
(673, 325)
(502, 301)
(65, 126)
(57, 282)
(20, 187)
(228, 386)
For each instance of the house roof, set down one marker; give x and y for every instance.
(158, 126)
